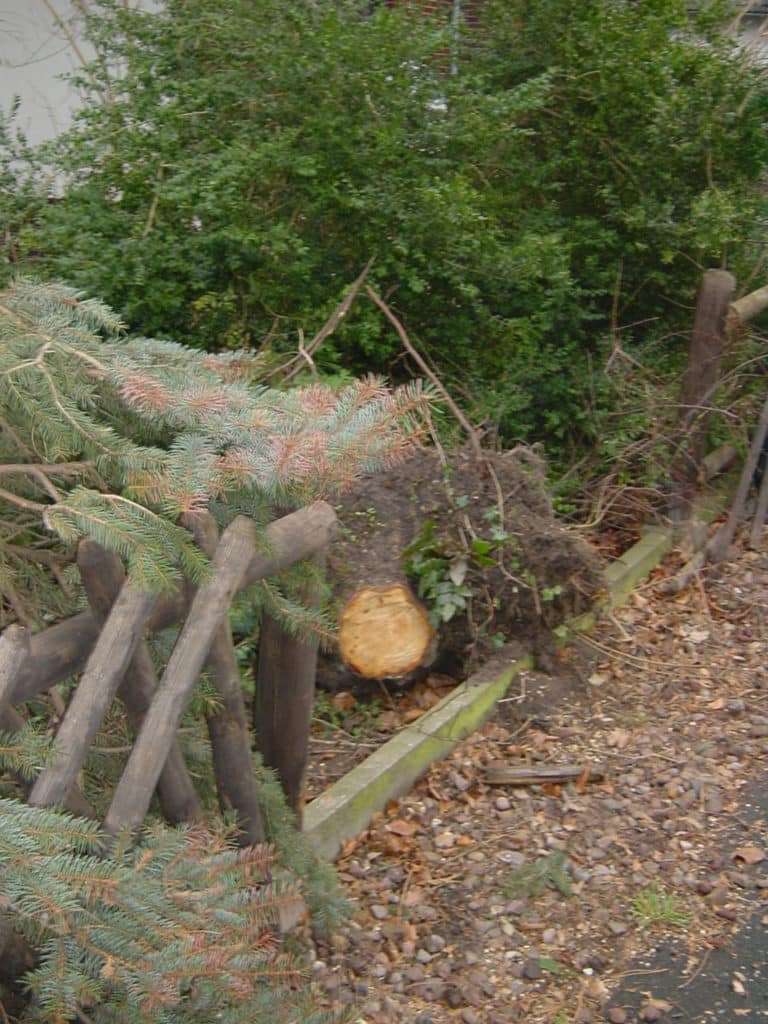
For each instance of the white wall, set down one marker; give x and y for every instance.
(34, 51)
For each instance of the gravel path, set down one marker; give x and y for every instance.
(492, 903)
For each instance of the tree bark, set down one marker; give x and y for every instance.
(699, 386)
(17, 957)
(14, 651)
(232, 561)
(103, 576)
(285, 695)
(747, 308)
(119, 638)
(760, 512)
(62, 651)
(228, 727)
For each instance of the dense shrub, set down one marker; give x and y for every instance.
(575, 175)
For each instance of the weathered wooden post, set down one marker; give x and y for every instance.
(122, 633)
(102, 574)
(285, 694)
(133, 793)
(228, 726)
(700, 382)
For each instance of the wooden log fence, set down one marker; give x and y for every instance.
(718, 319)
(103, 577)
(108, 645)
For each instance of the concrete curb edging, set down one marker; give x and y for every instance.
(346, 808)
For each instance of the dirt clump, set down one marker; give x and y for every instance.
(478, 541)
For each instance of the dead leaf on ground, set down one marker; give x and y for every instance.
(389, 721)
(344, 700)
(749, 854)
(412, 714)
(618, 738)
(401, 827)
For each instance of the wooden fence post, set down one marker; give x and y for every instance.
(285, 694)
(700, 383)
(14, 651)
(102, 574)
(228, 727)
(122, 633)
(133, 793)
(62, 650)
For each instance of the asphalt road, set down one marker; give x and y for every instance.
(728, 985)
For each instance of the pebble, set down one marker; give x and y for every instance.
(469, 1016)
(532, 970)
(432, 990)
(379, 911)
(434, 943)
(617, 1016)
(501, 803)
(415, 973)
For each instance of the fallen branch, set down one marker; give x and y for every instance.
(536, 775)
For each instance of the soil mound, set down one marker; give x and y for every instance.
(478, 542)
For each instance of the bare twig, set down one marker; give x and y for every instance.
(296, 363)
(435, 380)
(306, 356)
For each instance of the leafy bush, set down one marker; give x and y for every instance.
(575, 175)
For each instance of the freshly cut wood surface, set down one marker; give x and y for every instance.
(384, 632)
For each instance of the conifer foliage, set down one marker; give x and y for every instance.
(114, 437)
(180, 928)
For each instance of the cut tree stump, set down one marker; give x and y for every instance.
(103, 576)
(385, 632)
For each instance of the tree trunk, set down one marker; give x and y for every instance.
(17, 957)
(699, 386)
(228, 727)
(103, 576)
(62, 651)
(285, 694)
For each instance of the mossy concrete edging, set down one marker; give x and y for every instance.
(347, 807)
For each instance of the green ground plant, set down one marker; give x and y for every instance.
(653, 906)
(532, 879)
